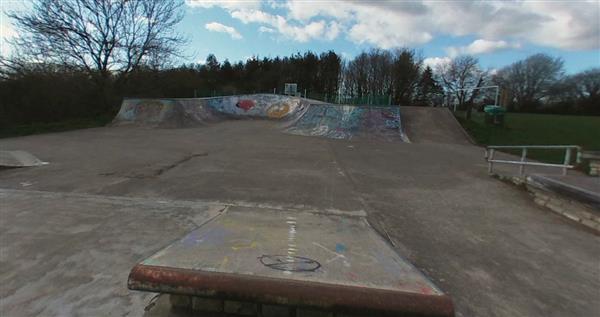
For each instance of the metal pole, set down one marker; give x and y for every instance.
(497, 92)
(523, 158)
(567, 160)
(490, 163)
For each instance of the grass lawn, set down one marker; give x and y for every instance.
(536, 129)
(37, 128)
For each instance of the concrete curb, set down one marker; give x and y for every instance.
(569, 206)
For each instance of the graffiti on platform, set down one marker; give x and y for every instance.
(289, 263)
(278, 110)
(245, 104)
(149, 110)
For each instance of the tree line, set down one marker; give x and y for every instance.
(80, 58)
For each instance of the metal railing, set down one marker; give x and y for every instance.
(566, 165)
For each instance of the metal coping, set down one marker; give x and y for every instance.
(339, 298)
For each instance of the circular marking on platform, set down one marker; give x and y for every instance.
(289, 263)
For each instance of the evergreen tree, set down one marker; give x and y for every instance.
(428, 89)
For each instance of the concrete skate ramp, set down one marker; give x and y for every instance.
(297, 115)
(432, 125)
(184, 112)
(345, 122)
(19, 159)
(298, 259)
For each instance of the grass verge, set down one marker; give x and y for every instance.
(536, 129)
(66, 125)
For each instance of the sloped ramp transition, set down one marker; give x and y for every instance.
(19, 159)
(432, 125)
(296, 115)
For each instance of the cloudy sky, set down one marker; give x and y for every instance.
(497, 32)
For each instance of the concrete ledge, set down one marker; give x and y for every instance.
(570, 209)
(569, 191)
(574, 203)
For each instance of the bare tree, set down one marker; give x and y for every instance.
(459, 77)
(580, 92)
(379, 71)
(587, 84)
(356, 75)
(531, 79)
(101, 36)
(382, 72)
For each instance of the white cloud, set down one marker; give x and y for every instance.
(218, 27)
(6, 33)
(434, 62)
(226, 4)
(333, 30)
(572, 25)
(264, 29)
(481, 46)
(299, 32)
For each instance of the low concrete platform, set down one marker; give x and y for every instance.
(297, 259)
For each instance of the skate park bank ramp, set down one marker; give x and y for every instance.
(344, 122)
(288, 263)
(433, 125)
(295, 115)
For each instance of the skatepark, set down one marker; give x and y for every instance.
(271, 178)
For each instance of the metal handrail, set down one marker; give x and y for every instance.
(566, 165)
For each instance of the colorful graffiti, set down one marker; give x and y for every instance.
(298, 116)
(245, 104)
(345, 122)
(278, 110)
(159, 112)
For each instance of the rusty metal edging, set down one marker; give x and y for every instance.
(288, 292)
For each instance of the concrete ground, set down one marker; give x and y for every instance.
(110, 197)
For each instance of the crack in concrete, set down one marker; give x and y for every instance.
(152, 171)
(166, 168)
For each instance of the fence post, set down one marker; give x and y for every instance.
(567, 159)
(523, 158)
(490, 163)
